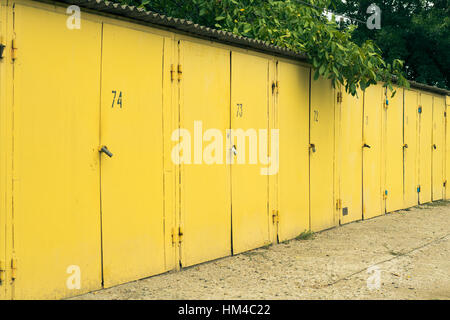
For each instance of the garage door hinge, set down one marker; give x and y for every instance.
(180, 72)
(338, 204)
(172, 72)
(13, 268)
(174, 237)
(14, 49)
(339, 97)
(2, 271)
(275, 216)
(275, 87)
(176, 74)
(180, 234)
(2, 47)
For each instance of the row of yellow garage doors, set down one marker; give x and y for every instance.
(74, 220)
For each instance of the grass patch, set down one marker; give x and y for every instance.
(392, 252)
(251, 253)
(258, 251)
(439, 203)
(306, 235)
(395, 253)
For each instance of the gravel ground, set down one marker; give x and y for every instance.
(409, 248)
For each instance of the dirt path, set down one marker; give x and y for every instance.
(410, 248)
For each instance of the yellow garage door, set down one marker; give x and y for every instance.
(438, 148)
(393, 155)
(425, 146)
(410, 148)
(132, 179)
(205, 176)
(350, 154)
(372, 190)
(56, 163)
(3, 282)
(322, 155)
(293, 183)
(447, 150)
(249, 115)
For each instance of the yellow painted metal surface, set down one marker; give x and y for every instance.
(4, 188)
(350, 156)
(131, 180)
(322, 155)
(372, 188)
(171, 181)
(393, 155)
(273, 116)
(66, 210)
(6, 147)
(249, 114)
(3, 277)
(293, 183)
(425, 146)
(56, 174)
(205, 188)
(447, 150)
(410, 149)
(438, 148)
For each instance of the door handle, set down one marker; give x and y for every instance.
(366, 146)
(312, 146)
(234, 150)
(405, 146)
(434, 147)
(105, 150)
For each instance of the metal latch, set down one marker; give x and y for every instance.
(234, 150)
(105, 150)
